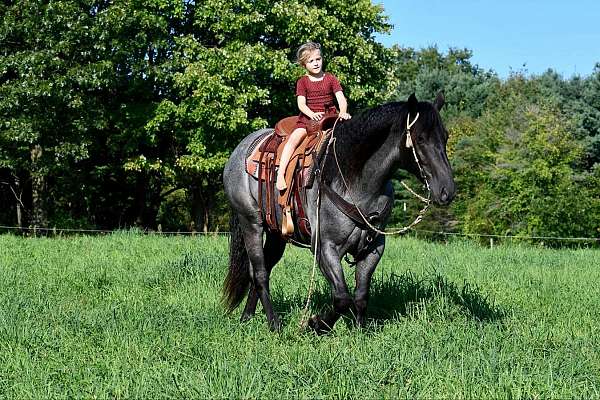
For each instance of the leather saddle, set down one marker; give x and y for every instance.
(262, 162)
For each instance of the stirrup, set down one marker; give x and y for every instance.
(287, 225)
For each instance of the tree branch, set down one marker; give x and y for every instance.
(17, 197)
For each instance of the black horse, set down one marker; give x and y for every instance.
(369, 148)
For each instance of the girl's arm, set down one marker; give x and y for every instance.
(341, 99)
(307, 111)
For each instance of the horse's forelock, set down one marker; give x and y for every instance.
(430, 119)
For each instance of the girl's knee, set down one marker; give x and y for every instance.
(297, 135)
(299, 132)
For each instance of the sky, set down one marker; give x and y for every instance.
(509, 35)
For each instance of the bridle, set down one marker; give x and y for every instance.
(409, 144)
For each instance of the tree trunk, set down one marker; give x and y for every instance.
(147, 200)
(18, 201)
(155, 199)
(39, 216)
(206, 219)
(203, 199)
(141, 184)
(198, 208)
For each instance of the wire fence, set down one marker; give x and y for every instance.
(56, 231)
(509, 237)
(60, 231)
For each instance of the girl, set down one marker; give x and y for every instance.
(315, 92)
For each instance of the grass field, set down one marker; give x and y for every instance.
(128, 315)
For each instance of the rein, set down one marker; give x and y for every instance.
(304, 319)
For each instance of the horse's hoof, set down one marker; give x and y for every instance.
(246, 317)
(361, 322)
(318, 326)
(275, 325)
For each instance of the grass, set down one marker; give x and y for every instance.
(128, 315)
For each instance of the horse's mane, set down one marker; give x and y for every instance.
(371, 121)
(384, 119)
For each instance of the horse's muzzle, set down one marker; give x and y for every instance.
(445, 196)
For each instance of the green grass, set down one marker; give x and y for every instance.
(139, 316)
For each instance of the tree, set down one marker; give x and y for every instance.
(467, 90)
(237, 74)
(111, 108)
(518, 170)
(45, 72)
(427, 71)
(579, 99)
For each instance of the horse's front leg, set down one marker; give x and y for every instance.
(331, 267)
(363, 274)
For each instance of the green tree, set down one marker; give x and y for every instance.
(46, 73)
(236, 73)
(579, 99)
(110, 109)
(467, 89)
(518, 170)
(427, 71)
(79, 81)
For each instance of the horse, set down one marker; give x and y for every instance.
(366, 152)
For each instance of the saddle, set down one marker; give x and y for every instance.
(262, 162)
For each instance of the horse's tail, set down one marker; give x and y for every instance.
(237, 281)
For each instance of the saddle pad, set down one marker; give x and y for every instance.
(255, 151)
(252, 149)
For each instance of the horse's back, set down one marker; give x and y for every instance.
(236, 181)
(238, 156)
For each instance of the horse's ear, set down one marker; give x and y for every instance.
(412, 103)
(438, 103)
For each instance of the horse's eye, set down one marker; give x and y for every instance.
(420, 139)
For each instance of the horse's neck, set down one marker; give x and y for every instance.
(368, 163)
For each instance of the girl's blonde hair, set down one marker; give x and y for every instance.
(304, 51)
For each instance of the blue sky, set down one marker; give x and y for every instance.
(503, 35)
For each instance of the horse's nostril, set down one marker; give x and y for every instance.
(444, 195)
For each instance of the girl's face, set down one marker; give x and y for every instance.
(314, 64)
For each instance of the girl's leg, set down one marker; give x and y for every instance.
(295, 138)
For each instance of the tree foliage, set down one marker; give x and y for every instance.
(129, 101)
(526, 159)
(123, 112)
(523, 150)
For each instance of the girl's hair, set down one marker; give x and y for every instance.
(304, 51)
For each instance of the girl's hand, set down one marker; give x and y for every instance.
(345, 116)
(317, 116)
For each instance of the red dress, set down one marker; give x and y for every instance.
(319, 95)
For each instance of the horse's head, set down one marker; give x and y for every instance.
(429, 137)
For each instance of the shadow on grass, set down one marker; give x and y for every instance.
(404, 295)
(398, 294)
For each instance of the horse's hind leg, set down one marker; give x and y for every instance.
(258, 271)
(273, 250)
(364, 271)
